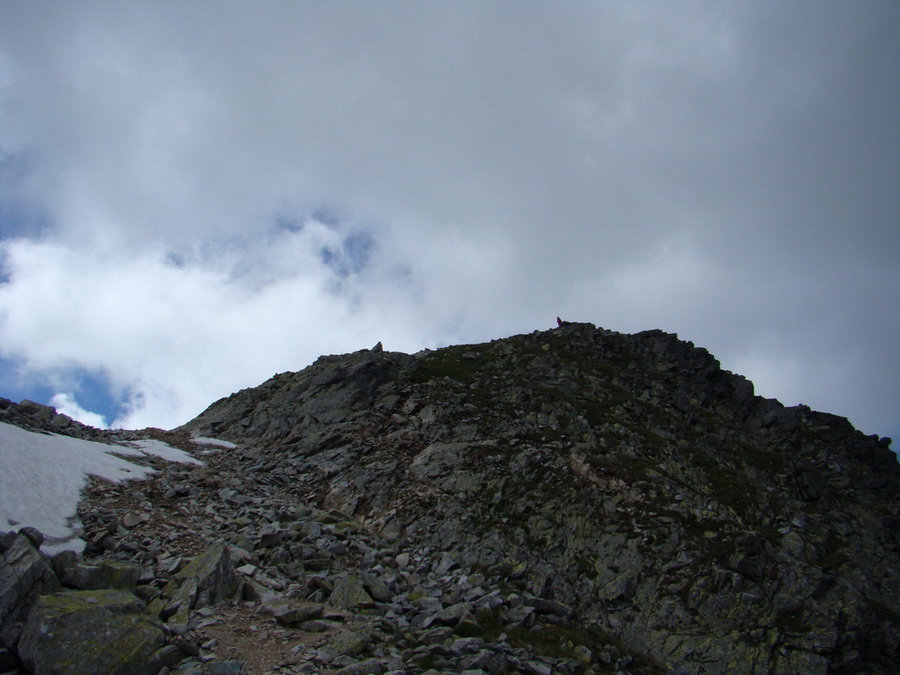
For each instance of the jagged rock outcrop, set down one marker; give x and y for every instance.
(25, 575)
(30, 415)
(628, 477)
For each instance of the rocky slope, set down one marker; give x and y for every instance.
(574, 500)
(626, 476)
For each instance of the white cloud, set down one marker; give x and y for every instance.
(66, 404)
(171, 336)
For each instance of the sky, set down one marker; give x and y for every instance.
(195, 196)
(43, 476)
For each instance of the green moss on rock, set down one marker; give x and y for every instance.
(89, 632)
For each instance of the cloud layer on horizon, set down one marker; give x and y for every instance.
(195, 196)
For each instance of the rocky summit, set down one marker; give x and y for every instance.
(567, 501)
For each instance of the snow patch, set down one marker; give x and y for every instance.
(43, 474)
(203, 440)
(164, 450)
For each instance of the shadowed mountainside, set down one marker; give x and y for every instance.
(627, 477)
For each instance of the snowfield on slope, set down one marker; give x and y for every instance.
(42, 475)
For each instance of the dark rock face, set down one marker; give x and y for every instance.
(627, 477)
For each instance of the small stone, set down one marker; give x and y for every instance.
(224, 667)
(367, 667)
(188, 647)
(583, 655)
(376, 587)
(287, 612)
(165, 657)
(467, 645)
(490, 661)
(348, 643)
(64, 561)
(350, 593)
(133, 519)
(106, 574)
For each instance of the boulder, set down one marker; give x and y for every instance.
(106, 574)
(348, 643)
(89, 632)
(349, 593)
(214, 575)
(225, 668)
(35, 536)
(287, 612)
(38, 410)
(25, 574)
(367, 667)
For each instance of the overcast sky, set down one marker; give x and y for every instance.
(197, 195)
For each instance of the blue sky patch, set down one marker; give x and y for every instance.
(351, 257)
(289, 224)
(91, 390)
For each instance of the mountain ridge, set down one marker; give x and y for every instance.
(574, 500)
(646, 433)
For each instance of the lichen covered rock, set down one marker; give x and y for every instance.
(89, 632)
(213, 573)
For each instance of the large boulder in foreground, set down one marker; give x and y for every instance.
(24, 575)
(89, 632)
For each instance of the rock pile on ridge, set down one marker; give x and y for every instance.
(39, 417)
(572, 501)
